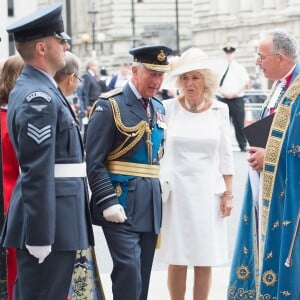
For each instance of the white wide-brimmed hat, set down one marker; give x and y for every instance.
(190, 60)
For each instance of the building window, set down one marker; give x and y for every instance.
(10, 8)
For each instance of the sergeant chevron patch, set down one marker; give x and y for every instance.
(39, 135)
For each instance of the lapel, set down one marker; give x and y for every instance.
(92, 78)
(66, 103)
(133, 103)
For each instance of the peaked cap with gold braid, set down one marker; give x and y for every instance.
(154, 58)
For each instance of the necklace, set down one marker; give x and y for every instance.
(194, 108)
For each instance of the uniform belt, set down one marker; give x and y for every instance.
(133, 169)
(70, 170)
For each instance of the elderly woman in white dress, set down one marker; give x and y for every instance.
(198, 165)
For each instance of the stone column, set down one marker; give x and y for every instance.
(246, 5)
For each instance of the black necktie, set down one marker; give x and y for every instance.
(224, 75)
(144, 102)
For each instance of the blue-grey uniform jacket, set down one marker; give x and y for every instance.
(45, 210)
(140, 196)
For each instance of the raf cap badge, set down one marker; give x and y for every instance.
(161, 56)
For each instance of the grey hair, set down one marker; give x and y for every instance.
(283, 42)
(72, 65)
(138, 65)
(91, 62)
(211, 83)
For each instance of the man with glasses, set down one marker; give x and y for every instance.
(68, 79)
(266, 261)
(48, 218)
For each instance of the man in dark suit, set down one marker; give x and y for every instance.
(123, 170)
(91, 86)
(90, 91)
(48, 219)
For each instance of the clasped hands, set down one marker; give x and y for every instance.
(115, 214)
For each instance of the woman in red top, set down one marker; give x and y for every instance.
(10, 167)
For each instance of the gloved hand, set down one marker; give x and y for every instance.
(115, 213)
(40, 252)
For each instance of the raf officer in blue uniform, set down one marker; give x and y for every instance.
(48, 218)
(123, 148)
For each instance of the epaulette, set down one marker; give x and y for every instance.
(111, 93)
(93, 108)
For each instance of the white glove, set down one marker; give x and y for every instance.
(40, 252)
(165, 191)
(115, 213)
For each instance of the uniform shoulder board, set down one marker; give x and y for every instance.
(94, 108)
(111, 93)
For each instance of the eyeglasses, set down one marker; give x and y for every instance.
(77, 77)
(261, 57)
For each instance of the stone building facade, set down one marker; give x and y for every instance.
(216, 22)
(119, 24)
(207, 24)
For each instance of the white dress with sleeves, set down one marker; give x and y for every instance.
(197, 153)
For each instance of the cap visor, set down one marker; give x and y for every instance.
(157, 68)
(62, 36)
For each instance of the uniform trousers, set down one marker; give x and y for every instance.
(132, 254)
(46, 281)
(236, 108)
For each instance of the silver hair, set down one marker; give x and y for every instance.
(211, 83)
(91, 62)
(72, 64)
(137, 64)
(283, 42)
